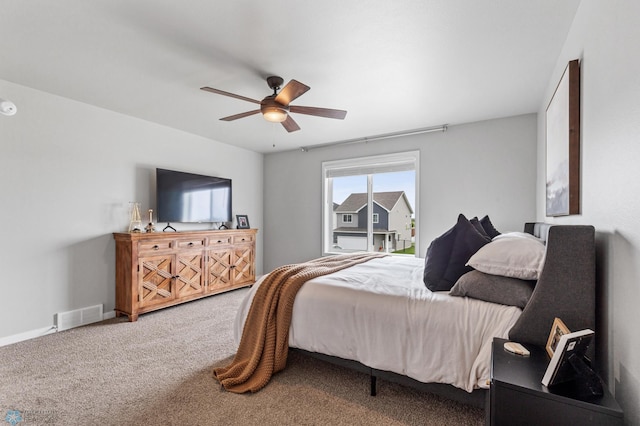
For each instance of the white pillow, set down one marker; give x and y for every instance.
(518, 235)
(512, 256)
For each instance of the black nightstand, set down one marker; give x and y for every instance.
(517, 397)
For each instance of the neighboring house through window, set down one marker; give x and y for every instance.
(370, 204)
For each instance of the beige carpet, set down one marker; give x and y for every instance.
(157, 371)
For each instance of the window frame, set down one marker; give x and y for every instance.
(371, 164)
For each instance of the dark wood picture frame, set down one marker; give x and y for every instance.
(563, 145)
(242, 221)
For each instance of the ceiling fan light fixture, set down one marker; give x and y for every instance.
(274, 114)
(273, 111)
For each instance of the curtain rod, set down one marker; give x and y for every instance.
(441, 128)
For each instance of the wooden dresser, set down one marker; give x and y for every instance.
(157, 270)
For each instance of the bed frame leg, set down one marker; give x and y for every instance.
(373, 385)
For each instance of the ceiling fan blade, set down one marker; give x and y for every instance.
(320, 112)
(290, 125)
(231, 95)
(241, 115)
(291, 91)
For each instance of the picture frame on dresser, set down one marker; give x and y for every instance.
(243, 221)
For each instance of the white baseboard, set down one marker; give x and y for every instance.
(4, 341)
(8, 340)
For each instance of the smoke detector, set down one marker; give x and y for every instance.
(7, 107)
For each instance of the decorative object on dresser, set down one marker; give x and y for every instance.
(135, 223)
(243, 221)
(150, 226)
(157, 270)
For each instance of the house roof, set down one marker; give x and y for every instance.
(357, 201)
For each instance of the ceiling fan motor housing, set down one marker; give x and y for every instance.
(275, 82)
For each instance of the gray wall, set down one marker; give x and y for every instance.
(67, 173)
(605, 37)
(479, 168)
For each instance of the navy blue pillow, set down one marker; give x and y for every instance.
(491, 231)
(476, 223)
(448, 254)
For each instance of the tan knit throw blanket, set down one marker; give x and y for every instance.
(265, 337)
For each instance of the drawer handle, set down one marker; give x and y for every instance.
(190, 244)
(243, 239)
(219, 241)
(156, 247)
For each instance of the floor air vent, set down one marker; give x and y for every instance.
(71, 319)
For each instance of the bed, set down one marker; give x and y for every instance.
(379, 317)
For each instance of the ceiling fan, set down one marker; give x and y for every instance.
(276, 108)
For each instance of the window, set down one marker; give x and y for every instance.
(370, 204)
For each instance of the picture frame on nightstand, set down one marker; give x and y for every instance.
(558, 329)
(569, 362)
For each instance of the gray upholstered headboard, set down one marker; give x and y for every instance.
(567, 284)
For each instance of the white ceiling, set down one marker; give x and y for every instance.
(393, 65)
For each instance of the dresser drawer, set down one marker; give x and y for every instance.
(187, 244)
(246, 238)
(220, 240)
(153, 246)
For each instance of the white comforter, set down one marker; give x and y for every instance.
(381, 314)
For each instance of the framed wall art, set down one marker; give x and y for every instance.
(563, 145)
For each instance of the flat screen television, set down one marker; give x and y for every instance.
(191, 198)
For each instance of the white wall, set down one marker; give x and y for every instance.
(605, 37)
(67, 173)
(479, 168)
